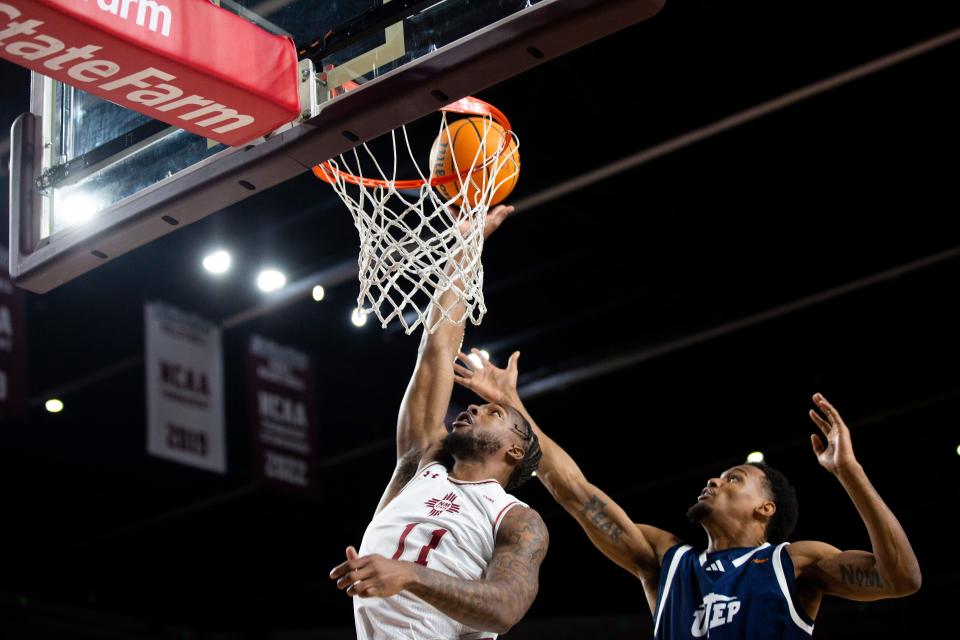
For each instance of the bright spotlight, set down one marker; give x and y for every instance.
(358, 318)
(217, 262)
(271, 280)
(76, 208)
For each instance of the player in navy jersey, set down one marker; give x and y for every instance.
(748, 582)
(449, 554)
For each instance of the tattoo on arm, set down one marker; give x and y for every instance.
(407, 467)
(859, 577)
(592, 509)
(500, 600)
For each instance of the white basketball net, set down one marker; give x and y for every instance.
(416, 244)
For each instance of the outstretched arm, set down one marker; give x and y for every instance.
(424, 405)
(637, 548)
(891, 569)
(494, 603)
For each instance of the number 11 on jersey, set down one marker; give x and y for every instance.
(435, 538)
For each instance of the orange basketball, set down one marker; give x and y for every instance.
(463, 141)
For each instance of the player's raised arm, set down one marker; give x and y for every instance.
(635, 547)
(891, 569)
(424, 406)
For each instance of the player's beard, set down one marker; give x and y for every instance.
(468, 445)
(699, 512)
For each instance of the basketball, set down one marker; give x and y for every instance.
(469, 142)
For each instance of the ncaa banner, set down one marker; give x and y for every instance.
(184, 388)
(13, 348)
(283, 414)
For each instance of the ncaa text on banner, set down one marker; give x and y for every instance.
(185, 62)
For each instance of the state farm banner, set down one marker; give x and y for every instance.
(13, 348)
(283, 413)
(184, 388)
(185, 62)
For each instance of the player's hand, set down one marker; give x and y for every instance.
(491, 383)
(837, 454)
(372, 576)
(494, 218)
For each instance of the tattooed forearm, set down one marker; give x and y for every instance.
(592, 509)
(477, 603)
(856, 576)
(498, 601)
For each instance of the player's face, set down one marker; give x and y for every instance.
(737, 492)
(490, 422)
(490, 417)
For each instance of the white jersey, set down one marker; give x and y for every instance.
(445, 524)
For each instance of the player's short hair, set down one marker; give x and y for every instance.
(531, 459)
(784, 521)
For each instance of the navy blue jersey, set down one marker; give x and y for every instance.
(730, 594)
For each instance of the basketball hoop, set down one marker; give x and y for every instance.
(423, 236)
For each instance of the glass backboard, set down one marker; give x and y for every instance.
(91, 180)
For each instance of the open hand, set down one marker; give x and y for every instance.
(491, 383)
(491, 222)
(837, 454)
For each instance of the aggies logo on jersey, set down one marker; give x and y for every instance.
(447, 503)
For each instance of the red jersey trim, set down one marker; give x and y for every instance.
(496, 523)
(454, 481)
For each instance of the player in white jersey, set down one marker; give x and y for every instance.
(449, 553)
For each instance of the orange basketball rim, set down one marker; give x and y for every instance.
(471, 106)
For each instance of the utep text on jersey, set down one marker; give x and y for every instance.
(731, 594)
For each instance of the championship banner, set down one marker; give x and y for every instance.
(185, 62)
(283, 414)
(13, 348)
(184, 388)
